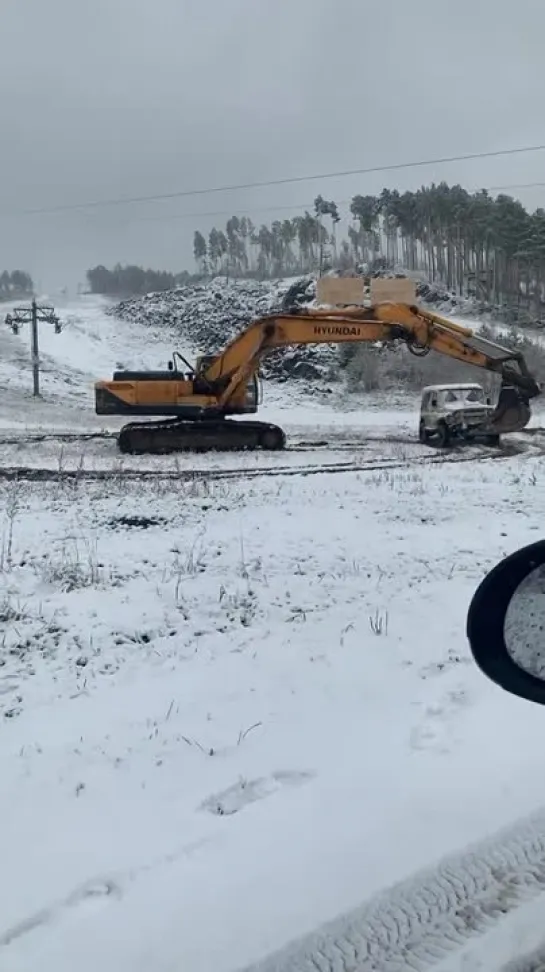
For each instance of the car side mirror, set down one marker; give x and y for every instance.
(488, 401)
(434, 403)
(170, 366)
(506, 624)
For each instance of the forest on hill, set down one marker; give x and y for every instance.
(473, 243)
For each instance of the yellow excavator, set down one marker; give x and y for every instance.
(200, 399)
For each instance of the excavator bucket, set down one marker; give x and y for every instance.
(512, 412)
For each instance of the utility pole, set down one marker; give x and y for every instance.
(32, 315)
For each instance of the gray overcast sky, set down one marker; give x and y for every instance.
(132, 97)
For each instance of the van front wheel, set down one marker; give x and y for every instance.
(443, 435)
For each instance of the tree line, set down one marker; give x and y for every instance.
(16, 284)
(125, 281)
(297, 245)
(472, 242)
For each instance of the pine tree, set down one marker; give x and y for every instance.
(200, 251)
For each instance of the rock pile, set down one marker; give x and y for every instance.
(207, 316)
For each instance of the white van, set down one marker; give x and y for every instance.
(450, 412)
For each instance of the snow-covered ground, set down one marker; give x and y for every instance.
(234, 708)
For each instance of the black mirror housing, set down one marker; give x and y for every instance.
(486, 621)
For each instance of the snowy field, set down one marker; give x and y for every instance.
(236, 706)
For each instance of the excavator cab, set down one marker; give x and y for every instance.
(254, 390)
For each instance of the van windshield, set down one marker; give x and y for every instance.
(460, 395)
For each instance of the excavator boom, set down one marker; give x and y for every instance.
(420, 329)
(225, 384)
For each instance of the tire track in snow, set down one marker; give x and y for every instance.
(17, 437)
(49, 474)
(45, 474)
(294, 444)
(20, 438)
(417, 923)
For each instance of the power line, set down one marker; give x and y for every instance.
(392, 167)
(517, 185)
(246, 210)
(229, 212)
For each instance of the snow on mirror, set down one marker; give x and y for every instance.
(524, 627)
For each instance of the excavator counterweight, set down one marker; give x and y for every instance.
(195, 405)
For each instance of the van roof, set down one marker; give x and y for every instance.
(459, 385)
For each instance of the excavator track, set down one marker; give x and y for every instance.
(162, 438)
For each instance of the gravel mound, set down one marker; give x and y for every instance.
(207, 316)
